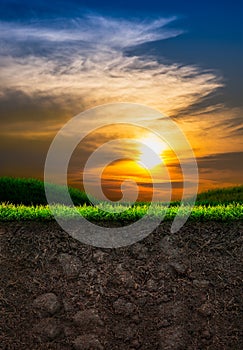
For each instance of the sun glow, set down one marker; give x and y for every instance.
(151, 151)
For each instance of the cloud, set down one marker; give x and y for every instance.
(93, 30)
(231, 161)
(85, 59)
(216, 170)
(31, 116)
(22, 157)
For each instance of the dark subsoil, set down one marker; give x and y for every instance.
(169, 291)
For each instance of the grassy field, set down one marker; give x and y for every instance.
(24, 199)
(31, 192)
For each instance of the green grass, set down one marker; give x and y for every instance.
(24, 199)
(32, 192)
(221, 196)
(228, 212)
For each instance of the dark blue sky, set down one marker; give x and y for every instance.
(213, 35)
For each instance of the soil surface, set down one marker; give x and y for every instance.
(169, 291)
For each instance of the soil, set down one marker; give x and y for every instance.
(169, 291)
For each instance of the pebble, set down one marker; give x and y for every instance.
(47, 304)
(92, 272)
(2, 231)
(140, 251)
(152, 286)
(87, 319)
(87, 342)
(125, 277)
(201, 283)
(206, 334)
(71, 265)
(136, 319)
(206, 310)
(99, 256)
(164, 298)
(165, 323)
(135, 343)
(178, 267)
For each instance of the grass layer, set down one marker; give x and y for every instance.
(228, 212)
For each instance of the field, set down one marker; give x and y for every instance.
(166, 292)
(24, 199)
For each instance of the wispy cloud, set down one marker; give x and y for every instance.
(93, 30)
(86, 59)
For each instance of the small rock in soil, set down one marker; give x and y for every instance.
(201, 283)
(92, 272)
(125, 277)
(206, 310)
(2, 231)
(136, 319)
(71, 265)
(167, 247)
(206, 334)
(140, 251)
(135, 343)
(47, 304)
(152, 286)
(165, 323)
(87, 319)
(165, 298)
(99, 256)
(178, 268)
(48, 329)
(87, 342)
(121, 306)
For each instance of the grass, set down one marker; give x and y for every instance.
(32, 192)
(221, 196)
(228, 212)
(24, 199)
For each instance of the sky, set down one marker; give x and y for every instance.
(184, 59)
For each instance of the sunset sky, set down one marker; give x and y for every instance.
(182, 58)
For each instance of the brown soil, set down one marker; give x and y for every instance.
(169, 291)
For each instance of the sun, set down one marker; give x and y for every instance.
(150, 151)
